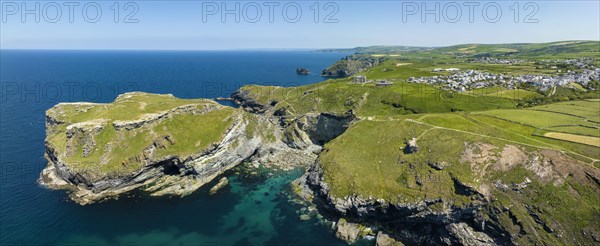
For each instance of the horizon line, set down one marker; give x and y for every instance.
(284, 49)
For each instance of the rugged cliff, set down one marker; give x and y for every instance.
(160, 143)
(170, 146)
(480, 191)
(351, 64)
(439, 179)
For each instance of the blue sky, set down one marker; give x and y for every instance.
(179, 25)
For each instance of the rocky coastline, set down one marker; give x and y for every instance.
(171, 176)
(297, 141)
(412, 223)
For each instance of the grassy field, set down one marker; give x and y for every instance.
(339, 96)
(514, 94)
(583, 109)
(474, 148)
(540, 119)
(376, 166)
(479, 138)
(443, 134)
(586, 131)
(122, 151)
(593, 141)
(128, 106)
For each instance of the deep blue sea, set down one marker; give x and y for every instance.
(252, 211)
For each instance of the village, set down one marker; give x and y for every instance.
(459, 80)
(473, 79)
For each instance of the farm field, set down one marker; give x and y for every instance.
(588, 131)
(514, 94)
(539, 119)
(379, 166)
(593, 141)
(577, 108)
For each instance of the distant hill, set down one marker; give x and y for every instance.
(378, 49)
(490, 49)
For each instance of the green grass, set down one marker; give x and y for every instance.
(514, 94)
(368, 161)
(587, 131)
(370, 153)
(339, 96)
(375, 165)
(576, 86)
(583, 109)
(539, 119)
(119, 152)
(128, 106)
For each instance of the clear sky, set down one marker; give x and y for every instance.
(199, 25)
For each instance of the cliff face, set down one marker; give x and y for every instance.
(488, 195)
(351, 65)
(448, 188)
(250, 104)
(100, 155)
(414, 223)
(162, 151)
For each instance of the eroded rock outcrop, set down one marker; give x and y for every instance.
(444, 221)
(414, 222)
(89, 146)
(350, 65)
(104, 157)
(223, 182)
(246, 101)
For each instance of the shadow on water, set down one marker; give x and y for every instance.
(253, 210)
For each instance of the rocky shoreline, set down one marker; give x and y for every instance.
(452, 226)
(296, 144)
(170, 176)
(412, 223)
(297, 141)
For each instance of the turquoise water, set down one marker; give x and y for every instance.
(253, 210)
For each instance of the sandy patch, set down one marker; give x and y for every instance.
(505, 50)
(402, 64)
(565, 43)
(509, 157)
(478, 155)
(468, 49)
(587, 140)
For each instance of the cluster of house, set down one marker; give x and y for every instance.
(492, 60)
(361, 79)
(473, 79)
(583, 63)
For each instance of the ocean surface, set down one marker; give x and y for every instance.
(254, 210)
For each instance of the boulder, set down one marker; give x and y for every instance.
(347, 231)
(437, 165)
(411, 146)
(385, 240)
(220, 185)
(302, 71)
